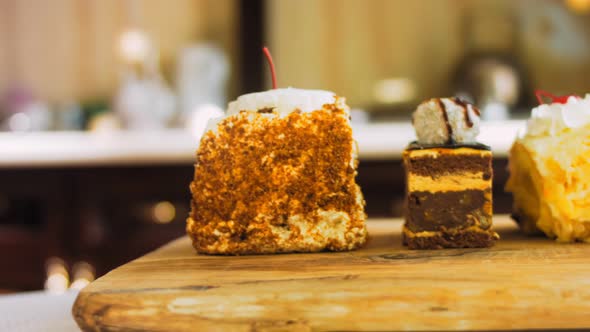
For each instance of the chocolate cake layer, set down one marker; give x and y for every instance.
(447, 210)
(450, 164)
(468, 238)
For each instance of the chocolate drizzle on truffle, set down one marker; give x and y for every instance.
(443, 109)
(459, 102)
(464, 105)
(445, 121)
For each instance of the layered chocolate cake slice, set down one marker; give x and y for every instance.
(276, 175)
(449, 179)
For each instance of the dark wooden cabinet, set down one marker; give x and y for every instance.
(107, 216)
(33, 215)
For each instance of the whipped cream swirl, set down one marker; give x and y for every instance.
(446, 121)
(552, 119)
(283, 101)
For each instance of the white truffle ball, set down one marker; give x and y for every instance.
(446, 121)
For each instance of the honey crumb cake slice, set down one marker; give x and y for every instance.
(277, 175)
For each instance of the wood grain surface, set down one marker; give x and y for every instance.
(521, 283)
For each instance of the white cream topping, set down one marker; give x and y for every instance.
(283, 101)
(446, 120)
(551, 119)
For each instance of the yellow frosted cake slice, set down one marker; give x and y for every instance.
(550, 172)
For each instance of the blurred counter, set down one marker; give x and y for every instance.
(379, 141)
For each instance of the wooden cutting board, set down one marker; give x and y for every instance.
(521, 283)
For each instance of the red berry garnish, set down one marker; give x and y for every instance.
(554, 99)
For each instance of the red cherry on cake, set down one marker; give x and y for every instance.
(554, 99)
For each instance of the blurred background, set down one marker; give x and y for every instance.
(102, 103)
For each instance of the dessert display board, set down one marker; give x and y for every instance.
(520, 283)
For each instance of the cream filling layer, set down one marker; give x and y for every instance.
(283, 101)
(454, 182)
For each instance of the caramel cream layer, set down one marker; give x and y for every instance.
(434, 152)
(474, 228)
(454, 182)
